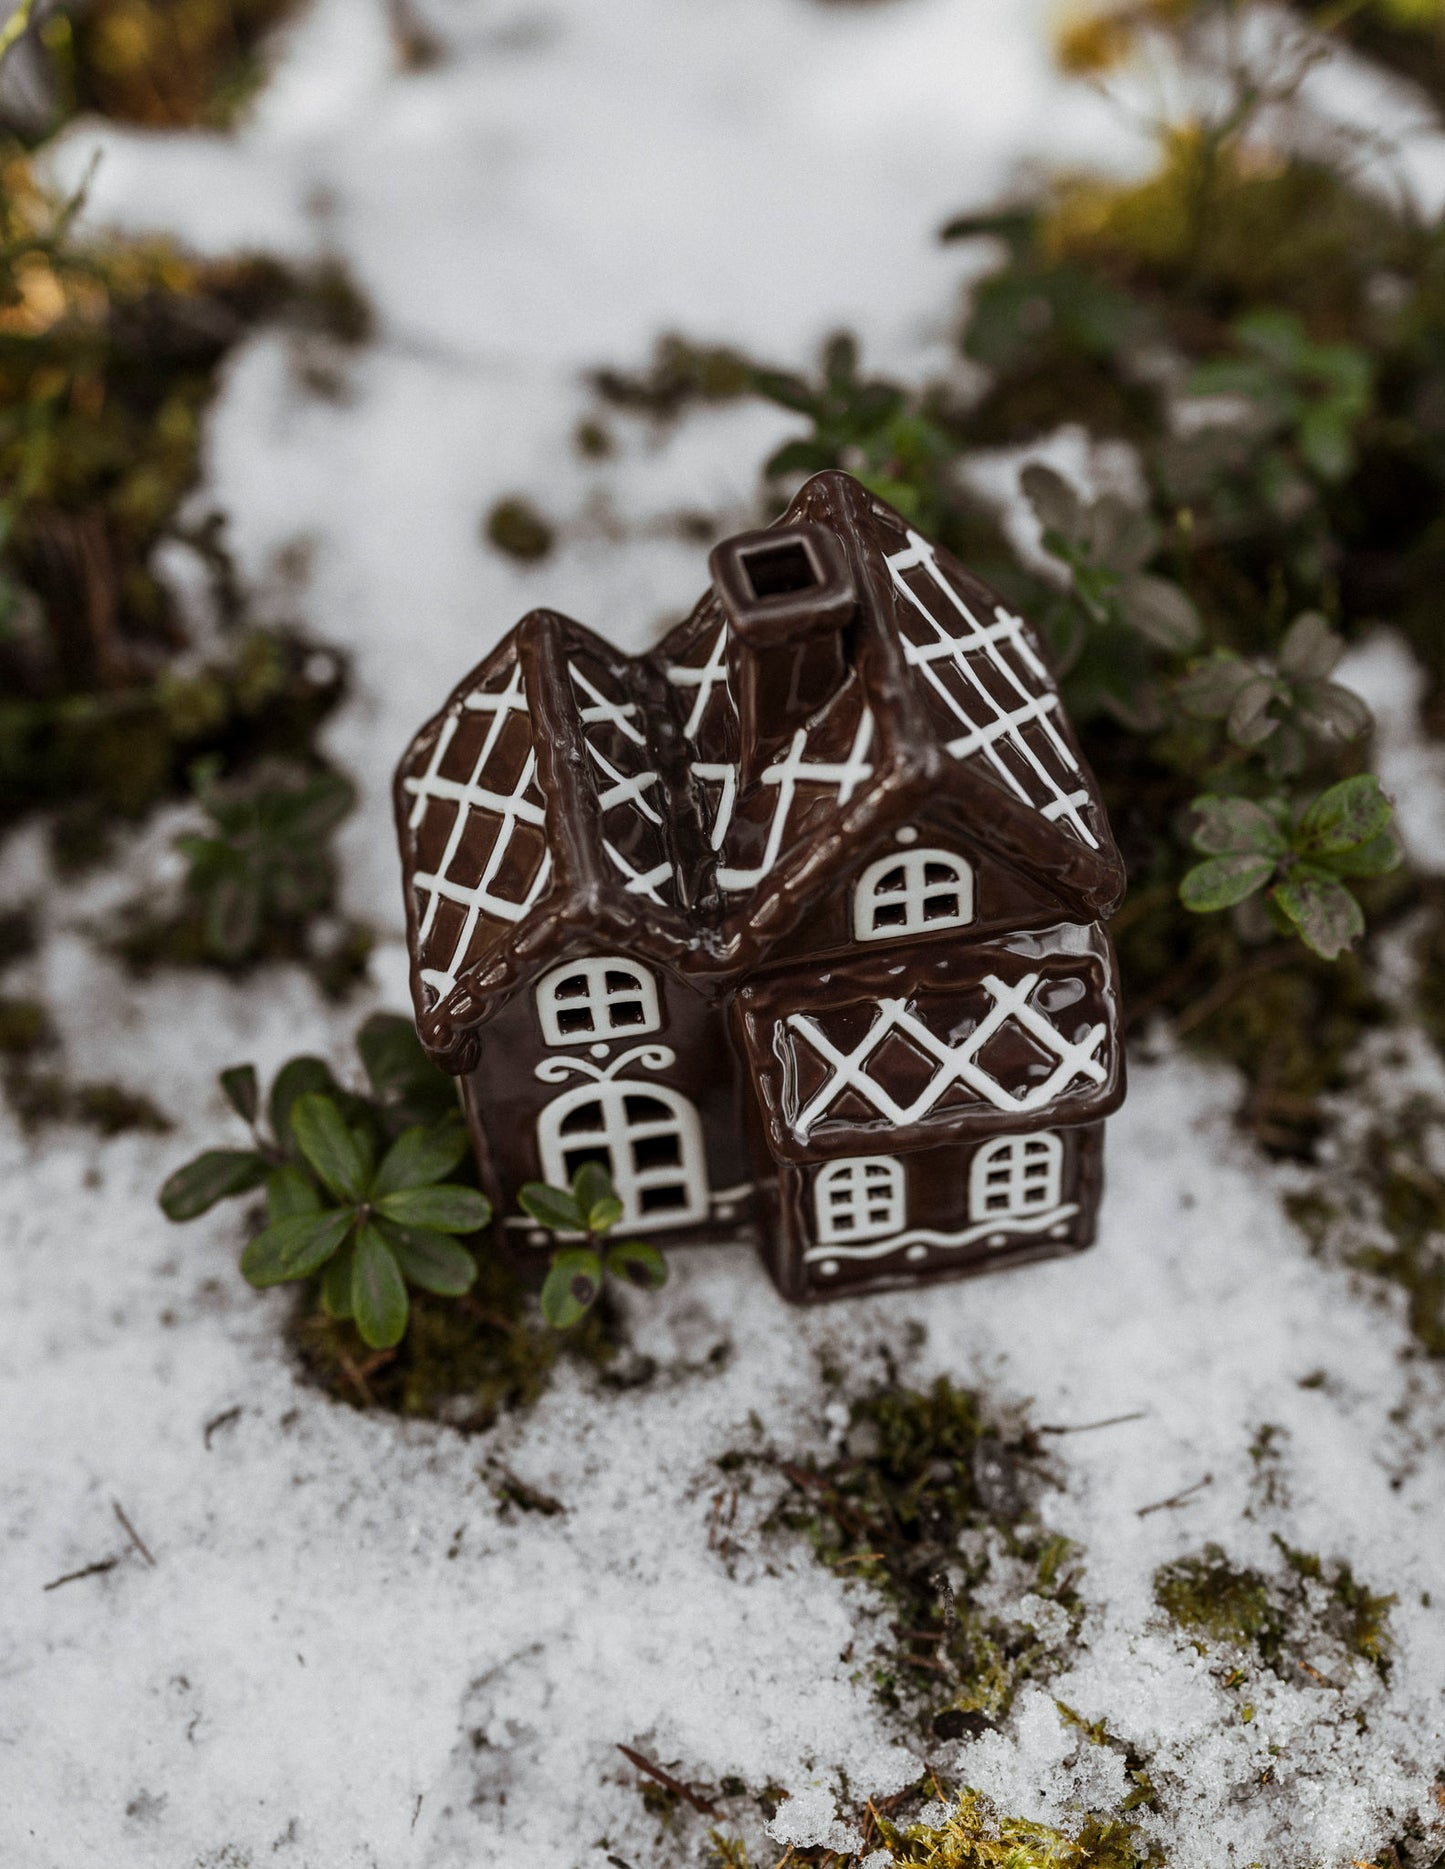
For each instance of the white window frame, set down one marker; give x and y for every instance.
(617, 1135)
(1016, 1177)
(914, 893)
(860, 1197)
(599, 1000)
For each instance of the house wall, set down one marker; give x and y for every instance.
(937, 1195)
(505, 1101)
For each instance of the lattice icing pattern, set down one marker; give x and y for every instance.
(990, 693)
(925, 1074)
(628, 786)
(476, 829)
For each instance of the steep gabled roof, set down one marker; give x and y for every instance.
(569, 792)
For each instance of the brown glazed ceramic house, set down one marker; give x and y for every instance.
(796, 923)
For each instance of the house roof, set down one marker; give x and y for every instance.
(569, 792)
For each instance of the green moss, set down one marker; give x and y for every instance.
(928, 1501)
(976, 1836)
(515, 527)
(1276, 1619)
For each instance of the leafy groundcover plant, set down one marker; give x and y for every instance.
(590, 1207)
(356, 1187)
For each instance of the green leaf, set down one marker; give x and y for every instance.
(295, 1247)
(1350, 813)
(430, 1259)
(551, 1207)
(330, 1147)
(444, 1207)
(211, 1177)
(1375, 857)
(638, 1263)
(1211, 688)
(297, 1079)
(1327, 915)
(571, 1286)
(1228, 826)
(418, 1156)
(242, 1092)
(336, 1282)
(603, 1215)
(378, 1292)
(596, 1201)
(1160, 612)
(1250, 720)
(1056, 505)
(291, 1190)
(1310, 648)
(400, 1072)
(1223, 881)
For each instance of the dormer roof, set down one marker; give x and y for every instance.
(569, 794)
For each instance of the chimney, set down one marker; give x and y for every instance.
(789, 597)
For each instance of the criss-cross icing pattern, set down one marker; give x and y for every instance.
(626, 781)
(988, 681)
(956, 1064)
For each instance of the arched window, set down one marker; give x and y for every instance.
(912, 892)
(646, 1136)
(1014, 1176)
(859, 1198)
(590, 999)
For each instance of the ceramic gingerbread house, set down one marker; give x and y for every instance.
(796, 923)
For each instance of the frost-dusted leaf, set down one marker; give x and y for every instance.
(1249, 718)
(295, 1247)
(639, 1264)
(336, 1282)
(571, 1286)
(299, 1078)
(1327, 915)
(331, 1148)
(1121, 537)
(1350, 813)
(1310, 649)
(1331, 710)
(447, 1207)
(1211, 688)
(1377, 856)
(431, 1260)
(1230, 825)
(1223, 881)
(211, 1177)
(291, 1190)
(241, 1091)
(1056, 504)
(378, 1291)
(1160, 612)
(551, 1207)
(419, 1156)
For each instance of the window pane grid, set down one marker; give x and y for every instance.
(1016, 1176)
(859, 1198)
(596, 999)
(912, 892)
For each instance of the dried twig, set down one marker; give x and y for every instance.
(223, 1420)
(1176, 1499)
(132, 1533)
(668, 1782)
(88, 1570)
(1088, 1427)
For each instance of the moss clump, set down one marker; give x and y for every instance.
(929, 1502)
(516, 528)
(1277, 1619)
(976, 1836)
(464, 1360)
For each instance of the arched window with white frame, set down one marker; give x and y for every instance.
(1014, 1177)
(912, 892)
(597, 999)
(859, 1198)
(647, 1137)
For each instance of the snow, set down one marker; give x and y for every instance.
(345, 1651)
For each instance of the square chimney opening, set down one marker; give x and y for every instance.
(779, 570)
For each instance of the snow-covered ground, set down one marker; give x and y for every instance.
(341, 1651)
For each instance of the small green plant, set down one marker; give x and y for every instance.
(974, 1835)
(367, 1227)
(590, 1207)
(1301, 861)
(1281, 704)
(266, 859)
